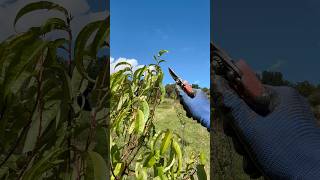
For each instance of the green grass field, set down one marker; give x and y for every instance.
(195, 137)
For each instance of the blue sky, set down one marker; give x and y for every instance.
(275, 35)
(140, 28)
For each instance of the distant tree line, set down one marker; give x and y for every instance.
(171, 90)
(310, 91)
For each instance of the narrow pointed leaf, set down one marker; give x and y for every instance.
(201, 173)
(80, 46)
(101, 36)
(166, 142)
(178, 154)
(44, 164)
(53, 24)
(145, 110)
(38, 6)
(162, 52)
(123, 63)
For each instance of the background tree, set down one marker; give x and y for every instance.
(273, 78)
(170, 91)
(305, 88)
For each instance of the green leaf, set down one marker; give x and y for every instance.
(138, 73)
(142, 175)
(59, 42)
(99, 166)
(161, 60)
(116, 80)
(145, 110)
(132, 127)
(78, 83)
(118, 169)
(161, 52)
(166, 142)
(178, 154)
(201, 173)
(123, 63)
(170, 165)
(140, 122)
(80, 46)
(202, 158)
(38, 6)
(155, 58)
(154, 140)
(44, 164)
(115, 153)
(28, 59)
(136, 168)
(48, 114)
(160, 173)
(53, 24)
(66, 81)
(151, 160)
(118, 121)
(102, 34)
(101, 141)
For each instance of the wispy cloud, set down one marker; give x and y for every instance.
(162, 34)
(276, 66)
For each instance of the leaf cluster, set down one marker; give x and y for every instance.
(138, 150)
(45, 133)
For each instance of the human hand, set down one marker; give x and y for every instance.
(285, 144)
(198, 107)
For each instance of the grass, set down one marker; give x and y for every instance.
(195, 138)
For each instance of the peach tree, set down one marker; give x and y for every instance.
(138, 150)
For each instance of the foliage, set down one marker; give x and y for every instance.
(138, 150)
(171, 90)
(45, 133)
(195, 86)
(273, 78)
(305, 88)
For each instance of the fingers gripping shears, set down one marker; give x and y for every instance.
(184, 85)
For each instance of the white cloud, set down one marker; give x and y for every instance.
(114, 62)
(80, 9)
(134, 63)
(111, 60)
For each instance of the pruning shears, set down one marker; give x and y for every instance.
(242, 79)
(185, 86)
